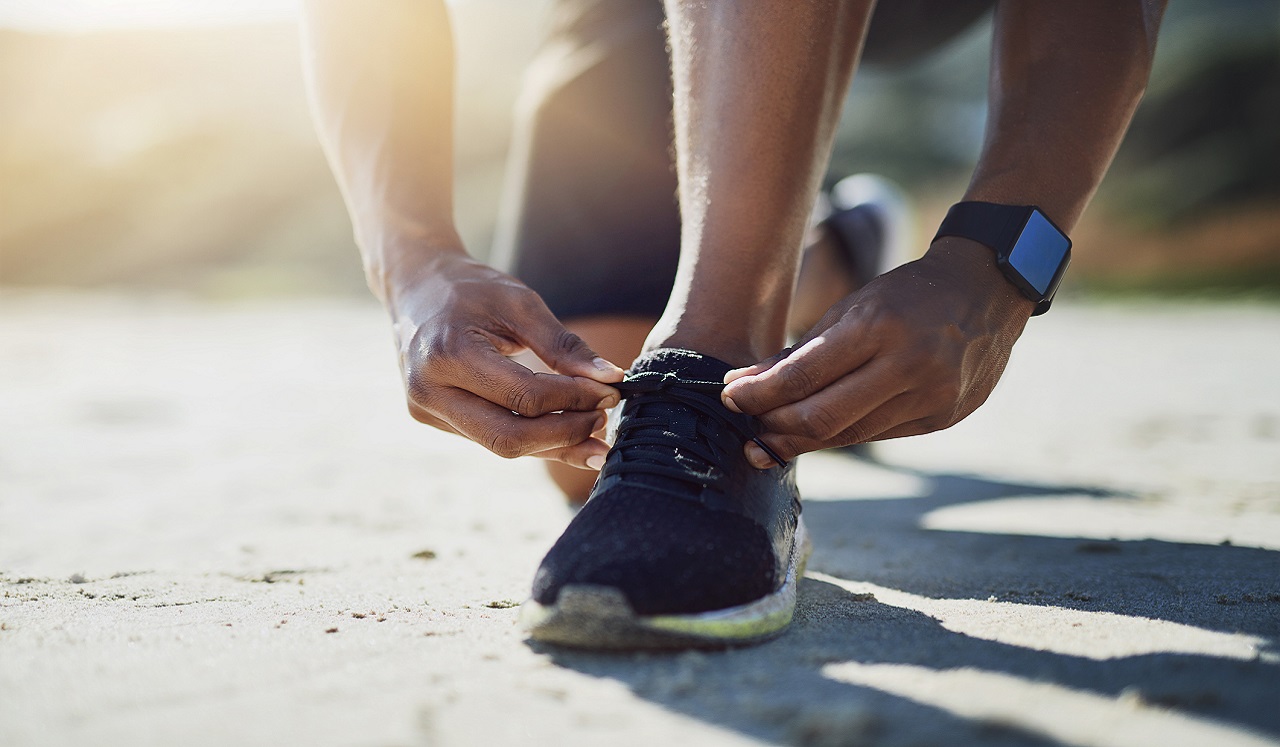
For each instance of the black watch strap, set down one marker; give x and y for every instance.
(996, 226)
(1000, 227)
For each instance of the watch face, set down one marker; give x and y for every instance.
(1039, 252)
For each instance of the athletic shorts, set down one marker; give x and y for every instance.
(589, 217)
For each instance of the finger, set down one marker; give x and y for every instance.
(420, 414)
(472, 361)
(508, 434)
(922, 424)
(825, 414)
(828, 320)
(917, 427)
(891, 414)
(589, 454)
(503, 381)
(562, 350)
(756, 368)
(808, 369)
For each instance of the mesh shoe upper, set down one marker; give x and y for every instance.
(678, 521)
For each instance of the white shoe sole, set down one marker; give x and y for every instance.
(599, 617)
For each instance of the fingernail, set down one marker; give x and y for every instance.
(604, 365)
(757, 457)
(596, 462)
(729, 403)
(600, 421)
(607, 402)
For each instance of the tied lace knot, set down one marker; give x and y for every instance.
(648, 382)
(680, 389)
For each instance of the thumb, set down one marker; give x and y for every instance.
(756, 368)
(564, 351)
(726, 395)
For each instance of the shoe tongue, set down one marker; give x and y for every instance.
(686, 364)
(680, 421)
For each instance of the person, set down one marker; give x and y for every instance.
(692, 535)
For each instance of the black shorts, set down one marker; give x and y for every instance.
(590, 219)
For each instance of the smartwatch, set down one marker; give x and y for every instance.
(1030, 250)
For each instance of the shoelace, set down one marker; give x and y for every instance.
(692, 394)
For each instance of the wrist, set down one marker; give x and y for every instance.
(398, 269)
(974, 268)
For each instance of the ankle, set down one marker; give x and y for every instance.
(734, 351)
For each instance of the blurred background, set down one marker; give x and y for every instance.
(166, 145)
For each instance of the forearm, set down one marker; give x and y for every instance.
(921, 347)
(1065, 80)
(758, 91)
(380, 76)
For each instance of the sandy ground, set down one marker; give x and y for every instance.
(219, 526)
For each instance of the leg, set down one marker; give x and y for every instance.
(758, 94)
(840, 259)
(683, 542)
(589, 219)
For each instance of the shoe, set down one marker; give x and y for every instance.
(870, 221)
(682, 543)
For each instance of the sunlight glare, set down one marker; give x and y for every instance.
(94, 15)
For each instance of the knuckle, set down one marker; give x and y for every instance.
(798, 377)
(524, 297)
(420, 391)
(450, 348)
(788, 448)
(854, 434)
(415, 385)
(936, 422)
(747, 401)
(886, 323)
(568, 341)
(503, 443)
(819, 423)
(418, 414)
(426, 366)
(525, 399)
(424, 346)
(528, 304)
(824, 423)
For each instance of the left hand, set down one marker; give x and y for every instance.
(914, 351)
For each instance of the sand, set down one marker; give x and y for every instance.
(219, 526)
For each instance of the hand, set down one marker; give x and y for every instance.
(916, 350)
(457, 323)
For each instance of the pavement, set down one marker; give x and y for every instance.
(218, 525)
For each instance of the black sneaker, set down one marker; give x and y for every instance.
(871, 223)
(682, 543)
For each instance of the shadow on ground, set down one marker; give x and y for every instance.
(780, 692)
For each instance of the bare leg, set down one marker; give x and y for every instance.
(824, 279)
(745, 199)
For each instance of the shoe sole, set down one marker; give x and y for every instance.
(599, 617)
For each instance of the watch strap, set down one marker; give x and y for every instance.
(995, 226)
(988, 223)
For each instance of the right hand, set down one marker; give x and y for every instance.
(456, 325)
